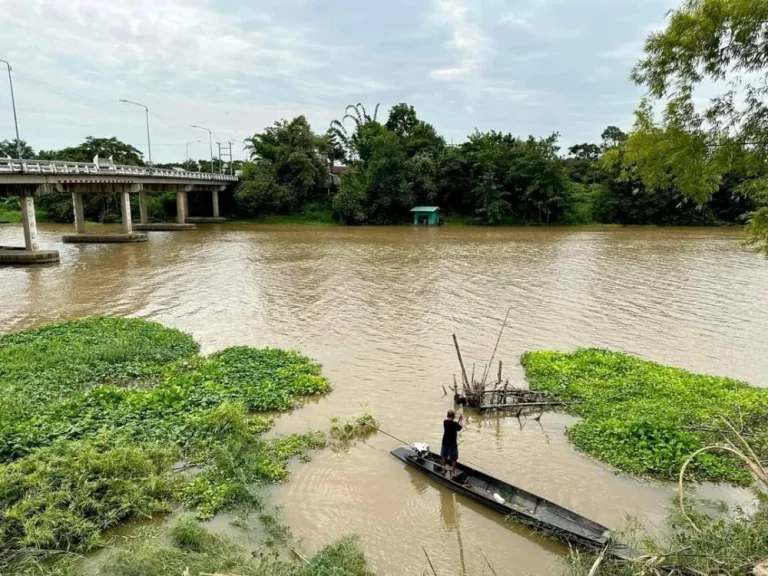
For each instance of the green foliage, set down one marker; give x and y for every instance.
(343, 434)
(94, 412)
(350, 200)
(289, 169)
(8, 148)
(63, 497)
(191, 547)
(705, 41)
(119, 151)
(40, 367)
(726, 544)
(644, 418)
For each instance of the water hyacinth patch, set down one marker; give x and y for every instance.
(645, 418)
(93, 413)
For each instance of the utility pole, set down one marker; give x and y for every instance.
(13, 103)
(221, 167)
(210, 140)
(146, 111)
(187, 145)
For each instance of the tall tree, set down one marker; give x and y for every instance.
(289, 169)
(722, 41)
(10, 149)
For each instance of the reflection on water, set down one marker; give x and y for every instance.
(377, 307)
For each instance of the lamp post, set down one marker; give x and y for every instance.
(210, 140)
(146, 111)
(13, 103)
(245, 153)
(187, 145)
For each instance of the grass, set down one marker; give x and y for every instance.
(729, 545)
(644, 418)
(93, 413)
(193, 548)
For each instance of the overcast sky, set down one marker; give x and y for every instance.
(521, 66)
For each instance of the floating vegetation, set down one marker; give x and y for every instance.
(645, 418)
(359, 428)
(94, 413)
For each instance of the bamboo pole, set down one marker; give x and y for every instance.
(461, 362)
(488, 562)
(493, 355)
(458, 534)
(430, 561)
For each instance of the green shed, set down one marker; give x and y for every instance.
(428, 215)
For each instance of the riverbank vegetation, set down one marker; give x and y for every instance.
(729, 545)
(644, 418)
(99, 416)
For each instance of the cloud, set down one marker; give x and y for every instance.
(190, 38)
(467, 41)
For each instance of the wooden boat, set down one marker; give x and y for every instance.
(535, 511)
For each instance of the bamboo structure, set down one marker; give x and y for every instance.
(486, 394)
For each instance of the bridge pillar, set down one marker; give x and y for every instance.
(181, 206)
(125, 204)
(30, 223)
(143, 213)
(31, 253)
(77, 203)
(215, 199)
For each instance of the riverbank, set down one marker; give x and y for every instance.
(127, 404)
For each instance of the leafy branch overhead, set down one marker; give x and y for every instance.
(696, 149)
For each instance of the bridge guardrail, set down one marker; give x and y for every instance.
(10, 166)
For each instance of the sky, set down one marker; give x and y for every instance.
(520, 66)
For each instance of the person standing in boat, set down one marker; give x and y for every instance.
(449, 450)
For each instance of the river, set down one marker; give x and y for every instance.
(377, 306)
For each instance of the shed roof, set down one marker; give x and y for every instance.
(425, 209)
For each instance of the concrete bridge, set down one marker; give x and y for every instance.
(30, 179)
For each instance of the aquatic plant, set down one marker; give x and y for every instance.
(62, 497)
(194, 550)
(343, 434)
(106, 405)
(644, 418)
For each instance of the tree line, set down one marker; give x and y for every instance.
(388, 166)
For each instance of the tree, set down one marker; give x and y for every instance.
(340, 138)
(8, 148)
(707, 41)
(119, 151)
(613, 136)
(289, 169)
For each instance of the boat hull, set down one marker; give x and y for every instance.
(524, 507)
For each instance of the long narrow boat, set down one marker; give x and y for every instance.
(535, 511)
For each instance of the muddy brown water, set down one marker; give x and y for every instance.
(377, 307)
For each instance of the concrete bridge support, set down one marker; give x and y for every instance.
(216, 214)
(143, 212)
(128, 235)
(30, 253)
(182, 209)
(182, 205)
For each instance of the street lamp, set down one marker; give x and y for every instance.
(210, 140)
(13, 103)
(187, 145)
(146, 111)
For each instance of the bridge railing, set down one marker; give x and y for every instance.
(58, 167)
